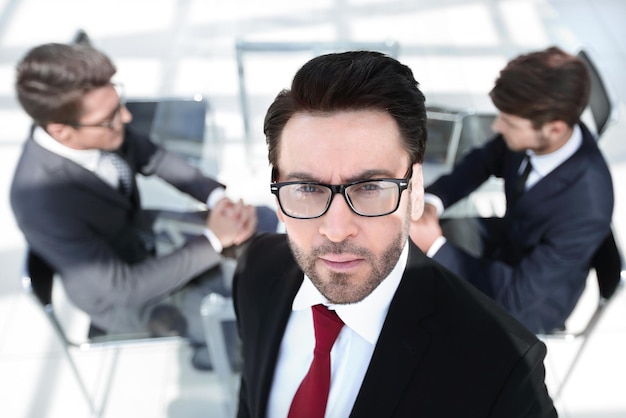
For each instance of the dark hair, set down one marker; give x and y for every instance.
(543, 86)
(53, 78)
(355, 80)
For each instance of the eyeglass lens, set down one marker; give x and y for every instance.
(372, 198)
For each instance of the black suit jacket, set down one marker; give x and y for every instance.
(445, 350)
(550, 233)
(94, 237)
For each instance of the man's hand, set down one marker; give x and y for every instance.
(426, 230)
(233, 223)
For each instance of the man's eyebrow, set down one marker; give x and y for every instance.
(363, 175)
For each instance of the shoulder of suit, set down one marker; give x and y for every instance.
(267, 244)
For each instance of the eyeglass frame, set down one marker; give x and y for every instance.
(403, 184)
(110, 121)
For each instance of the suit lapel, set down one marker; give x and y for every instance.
(558, 179)
(281, 292)
(402, 341)
(562, 176)
(73, 173)
(91, 183)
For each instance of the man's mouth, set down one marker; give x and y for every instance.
(341, 261)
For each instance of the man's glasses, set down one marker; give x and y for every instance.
(309, 199)
(113, 120)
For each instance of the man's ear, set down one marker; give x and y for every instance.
(417, 192)
(59, 131)
(279, 212)
(555, 129)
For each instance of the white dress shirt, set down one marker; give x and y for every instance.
(542, 166)
(351, 354)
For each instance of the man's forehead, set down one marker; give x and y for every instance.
(100, 101)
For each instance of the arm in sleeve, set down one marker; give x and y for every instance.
(97, 279)
(151, 159)
(471, 172)
(545, 284)
(524, 394)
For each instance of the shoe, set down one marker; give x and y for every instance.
(200, 360)
(167, 321)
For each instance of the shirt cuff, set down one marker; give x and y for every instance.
(214, 240)
(436, 246)
(435, 201)
(215, 196)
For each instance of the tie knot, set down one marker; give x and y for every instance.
(327, 327)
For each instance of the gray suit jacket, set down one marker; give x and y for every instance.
(92, 235)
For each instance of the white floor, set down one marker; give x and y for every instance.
(182, 47)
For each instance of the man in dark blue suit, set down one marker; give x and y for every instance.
(559, 196)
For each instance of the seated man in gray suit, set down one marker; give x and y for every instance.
(559, 195)
(75, 199)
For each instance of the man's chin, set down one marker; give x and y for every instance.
(341, 290)
(115, 146)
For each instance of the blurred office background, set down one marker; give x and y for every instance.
(237, 55)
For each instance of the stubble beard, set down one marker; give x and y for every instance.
(341, 288)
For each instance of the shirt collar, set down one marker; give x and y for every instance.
(544, 164)
(366, 317)
(86, 158)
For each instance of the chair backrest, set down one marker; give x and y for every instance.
(175, 118)
(609, 266)
(38, 280)
(40, 277)
(81, 38)
(600, 102)
(178, 124)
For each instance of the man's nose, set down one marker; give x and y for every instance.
(338, 223)
(125, 115)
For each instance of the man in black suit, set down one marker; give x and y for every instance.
(559, 195)
(75, 199)
(346, 145)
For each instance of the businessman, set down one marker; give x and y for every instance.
(344, 316)
(75, 198)
(559, 195)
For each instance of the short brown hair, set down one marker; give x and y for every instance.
(53, 78)
(543, 86)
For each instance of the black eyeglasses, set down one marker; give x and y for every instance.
(370, 198)
(113, 120)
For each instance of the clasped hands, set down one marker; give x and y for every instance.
(232, 222)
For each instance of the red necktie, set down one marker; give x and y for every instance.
(312, 395)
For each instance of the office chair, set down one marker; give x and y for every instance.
(608, 261)
(601, 105)
(610, 271)
(38, 280)
(177, 124)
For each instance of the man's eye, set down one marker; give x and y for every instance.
(366, 188)
(310, 189)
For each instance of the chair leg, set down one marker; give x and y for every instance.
(571, 367)
(214, 308)
(112, 367)
(96, 410)
(80, 381)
